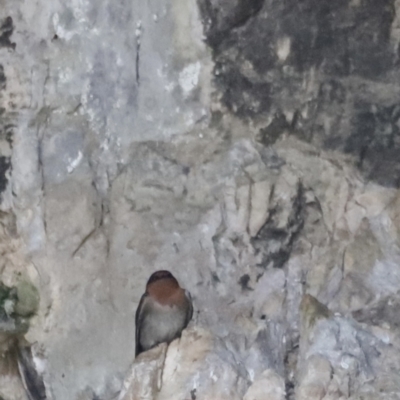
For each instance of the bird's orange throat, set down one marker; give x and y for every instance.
(165, 291)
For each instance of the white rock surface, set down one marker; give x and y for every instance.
(269, 386)
(195, 366)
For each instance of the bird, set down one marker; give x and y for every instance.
(164, 311)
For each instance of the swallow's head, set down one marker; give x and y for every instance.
(161, 275)
(163, 287)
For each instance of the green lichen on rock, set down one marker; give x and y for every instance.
(27, 299)
(311, 311)
(8, 299)
(17, 305)
(5, 293)
(14, 326)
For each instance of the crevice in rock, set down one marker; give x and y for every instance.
(6, 30)
(42, 123)
(5, 165)
(383, 313)
(3, 79)
(138, 35)
(275, 243)
(290, 364)
(221, 17)
(270, 134)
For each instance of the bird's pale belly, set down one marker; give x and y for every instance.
(163, 325)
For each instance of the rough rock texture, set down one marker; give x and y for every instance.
(251, 147)
(326, 72)
(197, 366)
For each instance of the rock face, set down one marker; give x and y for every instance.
(250, 147)
(326, 72)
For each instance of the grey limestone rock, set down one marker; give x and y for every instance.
(250, 147)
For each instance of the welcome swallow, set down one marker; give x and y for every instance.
(165, 309)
